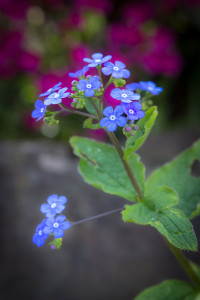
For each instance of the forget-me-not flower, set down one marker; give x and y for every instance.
(56, 97)
(118, 70)
(39, 110)
(51, 90)
(56, 226)
(55, 205)
(133, 86)
(125, 96)
(151, 87)
(98, 59)
(133, 110)
(113, 118)
(40, 237)
(79, 73)
(89, 86)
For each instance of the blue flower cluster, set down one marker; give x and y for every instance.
(55, 205)
(53, 97)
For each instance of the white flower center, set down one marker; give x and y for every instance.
(56, 95)
(40, 232)
(97, 60)
(124, 95)
(53, 205)
(42, 110)
(88, 86)
(131, 111)
(116, 68)
(55, 225)
(112, 117)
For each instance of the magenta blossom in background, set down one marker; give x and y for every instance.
(121, 33)
(14, 9)
(137, 13)
(103, 5)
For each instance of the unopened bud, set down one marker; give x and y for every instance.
(136, 127)
(128, 128)
(74, 100)
(53, 247)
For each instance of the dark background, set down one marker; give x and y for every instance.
(41, 41)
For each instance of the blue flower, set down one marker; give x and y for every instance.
(133, 110)
(97, 59)
(150, 87)
(118, 70)
(39, 111)
(51, 90)
(133, 86)
(56, 226)
(145, 86)
(56, 98)
(55, 205)
(113, 118)
(125, 96)
(39, 237)
(89, 86)
(79, 72)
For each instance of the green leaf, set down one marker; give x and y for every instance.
(88, 123)
(156, 210)
(170, 290)
(101, 167)
(89, 106)
(133, 143)
(176, 174)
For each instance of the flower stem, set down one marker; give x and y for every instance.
(130, 173)
(64, 108)
(97, 216)
(117, 145)
(108, 83)
(185, 264)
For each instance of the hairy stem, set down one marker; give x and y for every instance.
(117, 145)
(97, 216)
(64, 108)
(185, 264)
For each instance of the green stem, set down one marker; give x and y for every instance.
(130, 173)
(108, 83)
(117, 145)
(185, 263)
(64, 108)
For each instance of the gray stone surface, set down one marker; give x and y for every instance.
(101, 259)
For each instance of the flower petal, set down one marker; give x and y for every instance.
(112, 126)
(60, 218)
(82, 84)
(65, 225)
(52, 198)
(120, 65)
(106, 71)
(106, 58)
(44, 208)
(104, 122)
(88, 60)
(58, 233)
(136, 106)
(118, 111)
(121, 121)
(97, 56)
(107, 111)
(116, 94)
(125, 73)
(89, 92)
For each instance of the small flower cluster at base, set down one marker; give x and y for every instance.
(51, 225)
(130, 130)
(88, 86)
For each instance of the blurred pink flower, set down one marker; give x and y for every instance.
(14, 9)
(137, 13)
(103, 5)
(121, 33)
(28, 62)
